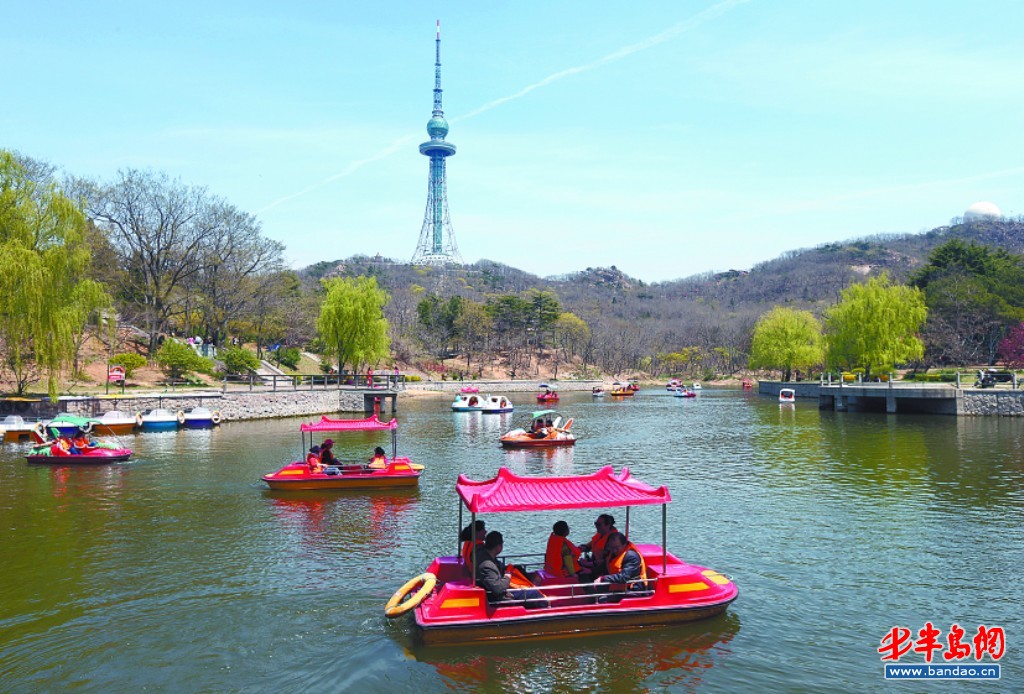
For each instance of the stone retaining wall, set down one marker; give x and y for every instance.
(1002, 403)
(233, 405)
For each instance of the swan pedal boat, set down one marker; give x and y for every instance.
(787, 395)
(497, 404)
(540, 436)
(456, 610)
(399, 472)
(469, 402)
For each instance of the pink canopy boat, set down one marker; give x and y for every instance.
(450, 607)
(396, 471)
(469, 389)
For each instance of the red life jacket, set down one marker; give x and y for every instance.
(598, 540)
(313, 462)
(553, 560)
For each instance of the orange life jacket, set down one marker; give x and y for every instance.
(553, 561)
(598, 541)
(313, 462)
(519, 579)
(615, 566)
(467, 550)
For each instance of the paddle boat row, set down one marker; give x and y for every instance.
(161, 419)
(545, 430)
(450, 608)
(394, 472)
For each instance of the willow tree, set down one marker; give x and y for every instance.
(875, 325)
(786, 339)
(352, 323)
(44, 257)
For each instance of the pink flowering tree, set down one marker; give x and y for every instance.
(1011, 348)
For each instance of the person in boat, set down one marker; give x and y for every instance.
(80, 441)
(378, 461)
(597, 565)
(466, 537)
(561, 558)
(327, 453)
(626, 567)
(494, 577)
(537, 428)
(313, 460)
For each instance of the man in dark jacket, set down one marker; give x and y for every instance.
(492, 576)
(625, 565)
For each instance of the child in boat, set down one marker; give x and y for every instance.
(378, 461)
(561, 557)
(313, 460)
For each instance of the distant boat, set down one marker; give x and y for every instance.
(697, 385)
(787, 395)
(597, 392)
(469, 402)
(497, 404)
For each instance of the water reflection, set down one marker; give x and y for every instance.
(674, 658)
(540, 461)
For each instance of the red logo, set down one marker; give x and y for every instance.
(899, 641)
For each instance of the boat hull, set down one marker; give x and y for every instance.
(198, 423)
(565, 625)
(536, 443)
(296, 477)
(159, 426)
(115, 429)
(116, 455)
(458, 611)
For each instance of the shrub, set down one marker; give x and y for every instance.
(176, 358)
(239, 361)
(130, 361)
(289, 356)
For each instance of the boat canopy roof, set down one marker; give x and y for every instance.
(543, 413)
(74, 420)
(511, 492)
(371, 423)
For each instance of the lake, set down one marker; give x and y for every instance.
(180, 571)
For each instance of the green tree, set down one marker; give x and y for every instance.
(238, 360)
(45, 299)
(473, 326)
(875, 325)
(176, 359)
(130, 361)
(786, 339)
(352, 323)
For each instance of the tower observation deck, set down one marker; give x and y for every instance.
(437, 239)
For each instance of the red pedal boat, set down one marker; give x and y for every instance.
(450, 608)
(393, 472)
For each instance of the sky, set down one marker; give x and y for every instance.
(664, 138)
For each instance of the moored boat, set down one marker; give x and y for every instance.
(115, 422)
(450, 608)
(159, 419)
(16, 429)
(392, 472)
(545, 430)
(468, 402)
(201, 418)
(497, 404)
(69, 424)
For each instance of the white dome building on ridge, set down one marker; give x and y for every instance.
(981, 211)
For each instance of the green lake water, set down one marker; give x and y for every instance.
(179, 571)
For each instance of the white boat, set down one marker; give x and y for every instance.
(159, 419)
(16, 429)
(496, 404)
(787, 395)
(115, 422)
(696, 385)
(597, 392)
(201, 418)
(469, 402)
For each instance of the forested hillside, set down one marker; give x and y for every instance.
(700, 323)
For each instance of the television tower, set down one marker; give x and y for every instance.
(437, 239)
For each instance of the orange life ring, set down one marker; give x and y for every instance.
(215, 417)
(395, 606)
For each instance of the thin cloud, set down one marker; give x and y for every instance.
(707, 15)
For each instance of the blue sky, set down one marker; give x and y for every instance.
(666, 138)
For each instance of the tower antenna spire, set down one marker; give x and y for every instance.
(436, 244)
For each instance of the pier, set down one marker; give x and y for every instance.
(906, 398)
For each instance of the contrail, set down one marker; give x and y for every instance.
(686, 25)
